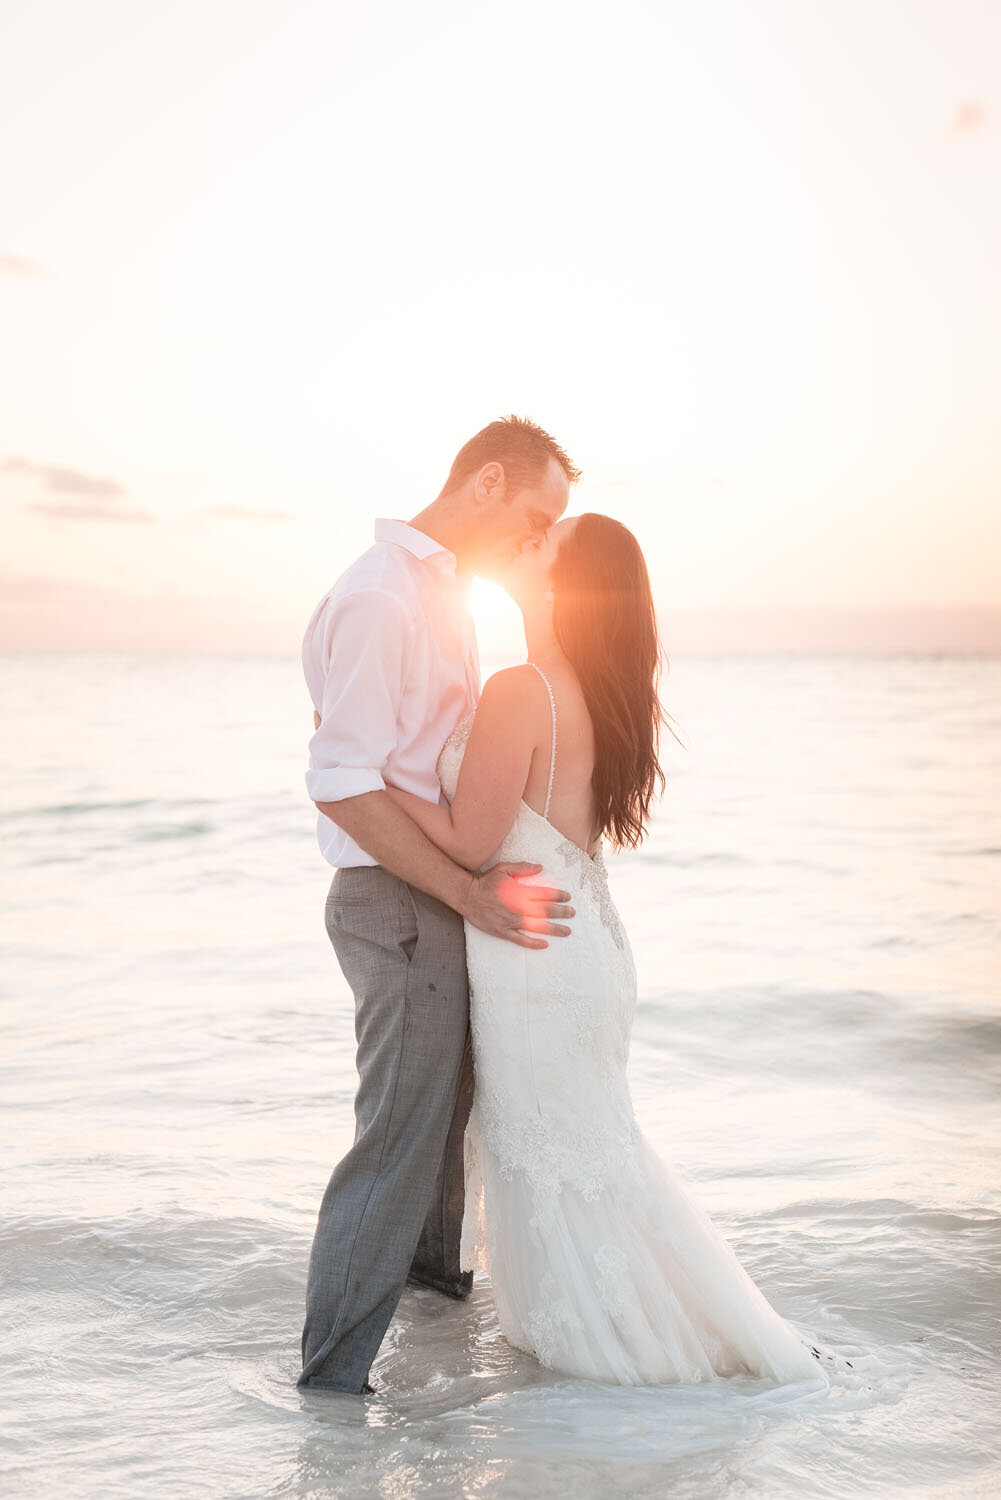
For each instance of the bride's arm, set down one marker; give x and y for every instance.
(434, 821)
(492, 776)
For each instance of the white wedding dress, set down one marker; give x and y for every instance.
(602, 1265)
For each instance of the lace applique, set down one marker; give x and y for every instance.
(601, 1035)
(613, 1269)
(586, 1011)
(594, 877)
(551, 1322)
(451, 753)
(460, 734)
(602, 1148)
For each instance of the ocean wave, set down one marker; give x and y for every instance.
(76, 809)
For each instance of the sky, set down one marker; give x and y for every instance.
(265, 267)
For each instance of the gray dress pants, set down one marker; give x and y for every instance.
(392, 1210)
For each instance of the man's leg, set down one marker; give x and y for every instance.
(403, 953)
(436, 1259)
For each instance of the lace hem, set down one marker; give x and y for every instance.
(552, 1322)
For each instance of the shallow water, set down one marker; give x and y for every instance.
(817, 1048)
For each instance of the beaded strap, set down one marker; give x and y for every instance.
(552, 755)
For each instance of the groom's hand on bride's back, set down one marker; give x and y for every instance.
(502, 902)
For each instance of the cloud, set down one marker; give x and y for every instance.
(967, 117)
(16, 265)
(68, 510)
(64, 481)
(246, 513)
(88, 497)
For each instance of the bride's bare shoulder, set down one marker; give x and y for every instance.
(515, 686)
(523, 672)
(515, 695)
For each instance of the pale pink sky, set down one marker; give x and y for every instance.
(265, 267)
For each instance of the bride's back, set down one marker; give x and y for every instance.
(571, 805)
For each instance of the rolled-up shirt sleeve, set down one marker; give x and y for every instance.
(367, 638)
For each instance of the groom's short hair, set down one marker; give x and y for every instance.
(520, 445)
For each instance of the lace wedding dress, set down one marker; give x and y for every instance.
(602, 1265)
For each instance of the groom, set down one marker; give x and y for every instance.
(391, 664)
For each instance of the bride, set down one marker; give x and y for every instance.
(602, 1264)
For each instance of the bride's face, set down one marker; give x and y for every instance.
(526, 576)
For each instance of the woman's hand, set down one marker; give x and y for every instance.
(317, 721)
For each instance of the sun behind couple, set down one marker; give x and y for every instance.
(584, 594)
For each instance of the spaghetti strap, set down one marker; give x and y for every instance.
(552, 753)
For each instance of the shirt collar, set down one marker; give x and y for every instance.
(417, 542)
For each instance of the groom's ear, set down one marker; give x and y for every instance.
(489, 483)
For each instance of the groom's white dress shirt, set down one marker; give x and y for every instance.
(391, 663)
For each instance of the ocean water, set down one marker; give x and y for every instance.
(816, 920)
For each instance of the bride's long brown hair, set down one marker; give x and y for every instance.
(605, 623)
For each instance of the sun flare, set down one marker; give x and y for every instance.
(499, 630)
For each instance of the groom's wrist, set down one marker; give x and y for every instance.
(379, 825)
(465, 886)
